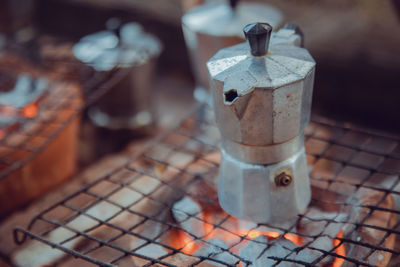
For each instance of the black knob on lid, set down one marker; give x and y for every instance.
(258, 35)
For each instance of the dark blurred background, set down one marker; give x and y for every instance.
(356, 44)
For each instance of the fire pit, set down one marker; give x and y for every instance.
(161, 209)
(39, 117)
(55, 62)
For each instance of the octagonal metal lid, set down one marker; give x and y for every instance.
(221, 19)
(260, 65)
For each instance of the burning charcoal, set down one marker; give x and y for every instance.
(25, 102)
(216, 249)
(260, 253)
(325, 227)
(360, 214)
(188, 214)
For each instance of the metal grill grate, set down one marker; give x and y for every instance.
(57, 110)
(124, 218)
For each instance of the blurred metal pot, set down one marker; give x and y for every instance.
(128, 104)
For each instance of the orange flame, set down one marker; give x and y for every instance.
(272, 235)
(182, 240)
(30, 111)
(340, 250)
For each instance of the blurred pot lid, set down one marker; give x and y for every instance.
(127, 46)
(221, 19)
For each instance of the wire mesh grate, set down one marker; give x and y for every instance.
(131, 217)
(60, 105)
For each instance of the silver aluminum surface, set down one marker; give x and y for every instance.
(249, 191)
(128, 105)
(262, 105)
(106, 50)
(263, 154)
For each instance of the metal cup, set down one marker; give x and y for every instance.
(128, 105)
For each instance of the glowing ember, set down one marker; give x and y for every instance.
(340, 250)
(203, 228)
(182, 240)
(271, 235)
(30, 111)
(187, 244)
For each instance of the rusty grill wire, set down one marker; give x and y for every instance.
(335, 150)
(16, 147)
